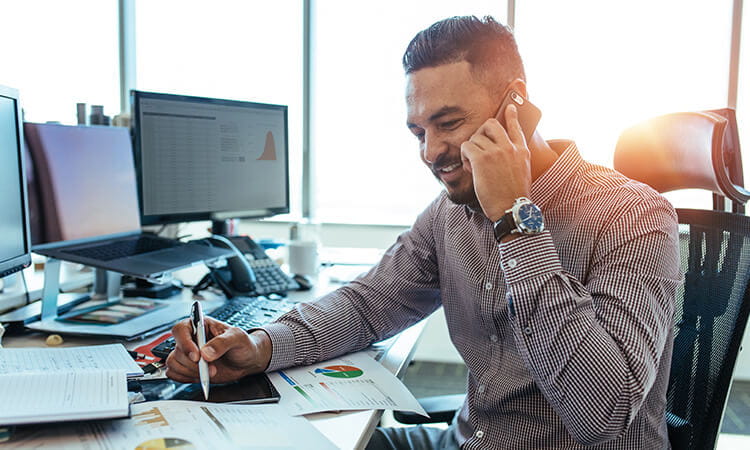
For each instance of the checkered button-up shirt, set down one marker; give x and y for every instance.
(567, 334)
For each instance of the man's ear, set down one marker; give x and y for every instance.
(517, 85)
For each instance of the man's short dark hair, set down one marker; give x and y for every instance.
(484, 43)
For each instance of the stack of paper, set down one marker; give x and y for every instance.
(40, 385)
(181, 425)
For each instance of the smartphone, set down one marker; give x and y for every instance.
(528, 114)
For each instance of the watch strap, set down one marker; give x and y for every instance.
(504, 226)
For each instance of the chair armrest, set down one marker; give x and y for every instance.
(441, 408)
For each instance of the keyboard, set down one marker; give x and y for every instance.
(242, 312)
(124, 248)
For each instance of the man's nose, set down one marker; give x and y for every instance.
(432, 148)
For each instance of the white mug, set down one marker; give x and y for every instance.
(303, 257)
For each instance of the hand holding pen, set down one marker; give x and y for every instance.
(199, 330)
(230, 352)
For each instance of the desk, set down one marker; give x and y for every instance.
(347, 430)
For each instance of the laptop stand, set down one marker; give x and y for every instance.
(106, 286)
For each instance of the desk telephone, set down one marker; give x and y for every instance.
(255, 274)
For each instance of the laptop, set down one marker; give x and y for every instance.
(90, 204)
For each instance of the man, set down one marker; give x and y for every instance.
(566, 332)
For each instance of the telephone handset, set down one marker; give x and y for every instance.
(251, 274)
(528, 114)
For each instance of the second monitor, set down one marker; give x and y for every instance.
(209, 159)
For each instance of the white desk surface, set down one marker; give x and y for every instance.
(347, 430)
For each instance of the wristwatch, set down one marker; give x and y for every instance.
(523, 217)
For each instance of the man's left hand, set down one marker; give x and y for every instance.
(499, 162)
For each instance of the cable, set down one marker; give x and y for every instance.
(25, 287)
(161, 229)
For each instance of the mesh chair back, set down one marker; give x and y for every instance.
(710, 319)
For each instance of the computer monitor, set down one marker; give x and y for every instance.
(15, 241)
(209, 159)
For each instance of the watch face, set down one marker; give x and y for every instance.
(530, 218)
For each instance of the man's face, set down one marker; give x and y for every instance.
(445, 106)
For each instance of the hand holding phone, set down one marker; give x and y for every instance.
(528, 114)
(498, 156)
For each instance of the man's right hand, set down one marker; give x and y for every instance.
(231, 353)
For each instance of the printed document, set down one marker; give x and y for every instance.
(39, 397)
(352, 382)
(68, 359)
(181, 425)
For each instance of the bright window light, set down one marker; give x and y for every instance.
(594, 68)
(59, 53)
(367, 163)
(226, 49)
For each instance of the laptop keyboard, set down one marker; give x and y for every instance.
(243, 312)
(123, 248)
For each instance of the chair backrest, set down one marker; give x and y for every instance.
(692, 150)
(688, 150)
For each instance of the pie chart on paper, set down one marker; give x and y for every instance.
(340, 371)
(166, 443)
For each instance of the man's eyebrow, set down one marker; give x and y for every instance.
(445, 110)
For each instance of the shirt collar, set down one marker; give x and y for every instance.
(567, 163)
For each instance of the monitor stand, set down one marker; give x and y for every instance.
(226, 227)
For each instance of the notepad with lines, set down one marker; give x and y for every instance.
(39, 385)
(40, 397)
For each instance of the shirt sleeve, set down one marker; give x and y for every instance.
(402, 289)
(594, 347)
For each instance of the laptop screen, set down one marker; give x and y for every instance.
(86, 179)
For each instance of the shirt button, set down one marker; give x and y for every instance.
(512, 263)
(527, 330)
(481, 388)
(488, 286)
(493, 338)
(479, 434)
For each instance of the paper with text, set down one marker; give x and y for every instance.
(181, 425)
(68, 359)
(47, 397)
(352, 382)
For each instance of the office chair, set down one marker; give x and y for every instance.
(697, 150)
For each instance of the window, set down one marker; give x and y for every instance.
(226, 49)
(595, 68)
(743, 94)
(367, 163)
(58, 54)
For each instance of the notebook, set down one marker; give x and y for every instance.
(40, 385)
(90, 204)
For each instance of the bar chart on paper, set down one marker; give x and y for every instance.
(350, 383)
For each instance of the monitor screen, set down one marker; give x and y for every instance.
(85, 180)
(202, 158)
(15, 251)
